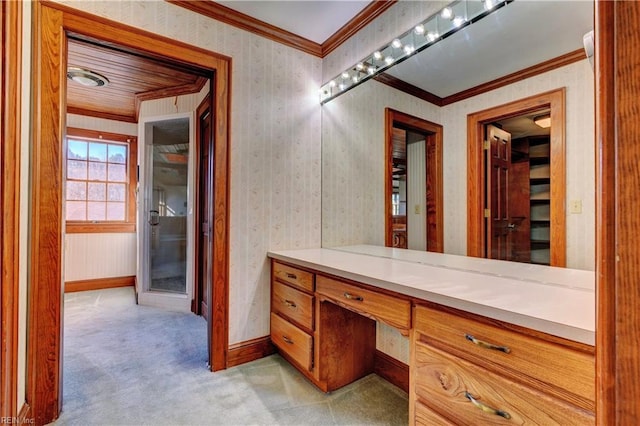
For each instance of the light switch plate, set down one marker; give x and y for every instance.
(575, 206)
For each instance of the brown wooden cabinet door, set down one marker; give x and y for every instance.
(499, 220)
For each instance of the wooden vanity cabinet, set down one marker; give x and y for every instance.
(292, 314)
(330, 345)
(467, 369)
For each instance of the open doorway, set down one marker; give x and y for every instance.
(53, 28)
(165, 205)
(516, 178)
(413, 183)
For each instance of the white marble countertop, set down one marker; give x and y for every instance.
(556, 301)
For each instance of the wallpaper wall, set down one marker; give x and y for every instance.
(275, 146)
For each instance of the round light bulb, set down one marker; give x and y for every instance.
(408, 49)
(396, 43)
(377, 55)
(419, 29)
(359, 66)
(458, 20)
(354, 78)
(345, 75)
(341, 86)
(447, 13)
(332, 83)
(371, 70)
(388, 60)
(432, 36)
(488, 4)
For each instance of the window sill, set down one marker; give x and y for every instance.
(99, 228)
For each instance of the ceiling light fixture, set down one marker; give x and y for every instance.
(543, 121)
(86, 77)
(447, 21)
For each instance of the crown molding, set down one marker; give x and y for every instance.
(240, 20)
(542, 67)
(361, 20)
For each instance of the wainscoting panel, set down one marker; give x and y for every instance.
(91, 256)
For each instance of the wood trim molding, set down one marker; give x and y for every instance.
(435, 221)
(475, 169)
(186, 89)
(240, 20)
(101, 114)
(99, 283)
(617, 66)
(605, 82)
(250, 350)
(541, 68)
(24, 415)
(407, 88)
(361, 20)
(11, 119)
(392, 370)
(52, 23)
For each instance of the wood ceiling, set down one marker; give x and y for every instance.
(132, 79)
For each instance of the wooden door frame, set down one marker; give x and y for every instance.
(11, 119)
(52, 22)
(617, 30)
(435, 239)
(476, 193)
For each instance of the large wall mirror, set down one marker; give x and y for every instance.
(494, 54)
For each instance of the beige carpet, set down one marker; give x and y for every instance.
(132, 365)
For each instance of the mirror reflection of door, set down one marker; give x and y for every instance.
(409, 197)
(518, 182)
(413, 182)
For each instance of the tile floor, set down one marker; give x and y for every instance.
(132, 365)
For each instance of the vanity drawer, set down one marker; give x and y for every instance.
(297, 344)
(391, 310)
(447, 382)
(424, 416)
(293, 304)
(545, 362)
(293, 276)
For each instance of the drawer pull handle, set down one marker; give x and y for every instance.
(485, 407)
(486, 345)
(292, 276)
(287, 340)
(353, 297)
(290, 303)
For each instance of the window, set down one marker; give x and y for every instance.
(100, 181)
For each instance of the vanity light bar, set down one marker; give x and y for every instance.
(436, 27)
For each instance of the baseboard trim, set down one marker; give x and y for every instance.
(394, 371)
(250, 350)
(99, 283)
(23, 415)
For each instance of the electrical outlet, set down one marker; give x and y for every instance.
(416, 209)
(575, 206)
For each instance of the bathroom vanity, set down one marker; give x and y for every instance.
(491, 342)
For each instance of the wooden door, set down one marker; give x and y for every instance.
(204, 212)
(499, 225)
